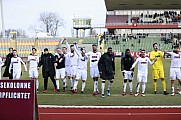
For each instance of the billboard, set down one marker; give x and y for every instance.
(134, 54)
(17, 99)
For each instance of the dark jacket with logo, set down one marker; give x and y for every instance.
(47, 61)
(106, 66)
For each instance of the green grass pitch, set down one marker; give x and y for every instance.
(116, 99)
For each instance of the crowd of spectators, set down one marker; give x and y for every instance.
(165, 17)
(124, 37)
(170, 37)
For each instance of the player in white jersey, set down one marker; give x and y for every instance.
(142, 71)
(82, 68)
(33, 60)
(16, 65)
(66, 52)
(1, 64)
(94, 71)
(73, 63)
(175, 73)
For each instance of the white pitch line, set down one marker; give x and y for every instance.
(114, 95)
(108, 114)
(105, 107)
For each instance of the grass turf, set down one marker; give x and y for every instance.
(116, 99)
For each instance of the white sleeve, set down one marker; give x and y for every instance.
(151, 63)
(171, 53)
(25, 68)
(99, 55)
(68, 54)
(76, 51)
(86, 57)
(88, 53)
(28, 58)
(11, 64)
(134, 64)
(38, 59)
(1, 62)
(68, 47)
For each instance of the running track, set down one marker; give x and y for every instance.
(109, 113)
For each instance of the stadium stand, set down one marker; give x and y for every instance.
(119, 45)
(24, 45)
(165, 17)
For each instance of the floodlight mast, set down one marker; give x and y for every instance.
(2, 18)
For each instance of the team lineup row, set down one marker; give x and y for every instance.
(73, 64)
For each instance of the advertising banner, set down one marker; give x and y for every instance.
(17, 99)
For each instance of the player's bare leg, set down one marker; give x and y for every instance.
(178, 87)
(124, 87)
(83, 86)
(172, 88)
(137, 89)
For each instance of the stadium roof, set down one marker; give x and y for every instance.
(142, 4)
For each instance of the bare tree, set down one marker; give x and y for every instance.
(51, 21)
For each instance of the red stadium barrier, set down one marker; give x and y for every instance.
(17, 100)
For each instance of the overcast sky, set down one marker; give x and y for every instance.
(25, 13)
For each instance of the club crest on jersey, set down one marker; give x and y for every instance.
(176, 56)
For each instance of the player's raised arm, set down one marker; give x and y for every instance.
(68, 46)
(76, 50)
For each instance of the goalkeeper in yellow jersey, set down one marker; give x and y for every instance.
(157, 68)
